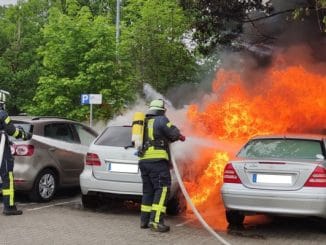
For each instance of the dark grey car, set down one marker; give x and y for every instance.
(54, 156)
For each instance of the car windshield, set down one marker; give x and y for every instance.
(282, 148)
(115, 136)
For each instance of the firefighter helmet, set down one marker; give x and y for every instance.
(157, 105)
(3, 95)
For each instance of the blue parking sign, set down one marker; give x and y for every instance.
(84, 99)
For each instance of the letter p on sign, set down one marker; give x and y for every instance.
(84, 99)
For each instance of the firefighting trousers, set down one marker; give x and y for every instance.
(6, 173)
(156, 188)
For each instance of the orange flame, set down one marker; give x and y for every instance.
(290, 98)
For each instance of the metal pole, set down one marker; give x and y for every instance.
(91, 115)
(117, 33)
(117, 22)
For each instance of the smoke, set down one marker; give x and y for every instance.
(127, 117)
(280, 29)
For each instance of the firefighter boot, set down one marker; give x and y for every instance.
(158, 227)
(12, 210)
(144, 225)
(144, 220)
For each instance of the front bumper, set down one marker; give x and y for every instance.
(308, 201)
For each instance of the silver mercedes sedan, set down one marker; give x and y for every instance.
(277, 174)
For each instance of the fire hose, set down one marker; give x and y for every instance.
(193, 208)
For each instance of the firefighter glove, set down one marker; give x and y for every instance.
(27, 136)
(182, 137)
(24, 135)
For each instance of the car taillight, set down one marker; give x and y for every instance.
(230, 175)
(92, 159)
(317, 178)
(22, 150)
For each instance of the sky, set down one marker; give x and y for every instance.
(5, 2)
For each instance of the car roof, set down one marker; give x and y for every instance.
(292, 136)
(33, 119)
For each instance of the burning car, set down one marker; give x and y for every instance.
(277, 174)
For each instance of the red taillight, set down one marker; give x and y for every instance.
(317, 178)
(92, 159)
(22, 150)
(230, 175)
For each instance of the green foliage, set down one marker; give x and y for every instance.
(79, 58)
(322, 4)
(19, 38)
(219, 21)
(152, 40)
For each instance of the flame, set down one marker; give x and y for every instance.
(286, 99)
(212, 176)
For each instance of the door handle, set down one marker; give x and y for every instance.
(52, 149)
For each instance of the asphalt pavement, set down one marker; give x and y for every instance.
(65, 221)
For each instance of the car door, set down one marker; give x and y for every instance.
(66, 150)
(84, 137)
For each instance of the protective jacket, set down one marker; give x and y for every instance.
(159, 132)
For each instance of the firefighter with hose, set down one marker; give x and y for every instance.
(154, 164)
(6, 158)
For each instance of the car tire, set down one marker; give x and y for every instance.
(176, 205)
(234, 217)
(90, 201)
(45, 186)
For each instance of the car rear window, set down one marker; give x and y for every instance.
(115, 136)
(26, 126)
(282, 148)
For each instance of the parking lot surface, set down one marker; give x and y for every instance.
(65, 221)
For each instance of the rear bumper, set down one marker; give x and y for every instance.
(308, 201)
(89, 184)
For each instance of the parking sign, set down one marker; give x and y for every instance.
(84, 99)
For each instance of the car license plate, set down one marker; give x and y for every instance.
(271, 179)
(123, 168)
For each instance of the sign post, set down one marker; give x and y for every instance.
(90, 99)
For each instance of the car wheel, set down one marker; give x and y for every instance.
(45, 186)
(176, 205)
(234, 217)
(90, 201)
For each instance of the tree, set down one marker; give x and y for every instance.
(220, 22)
(19, 39)
(78, 58)
(152, 38)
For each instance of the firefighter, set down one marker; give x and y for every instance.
(154, 166)
(7, 163)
